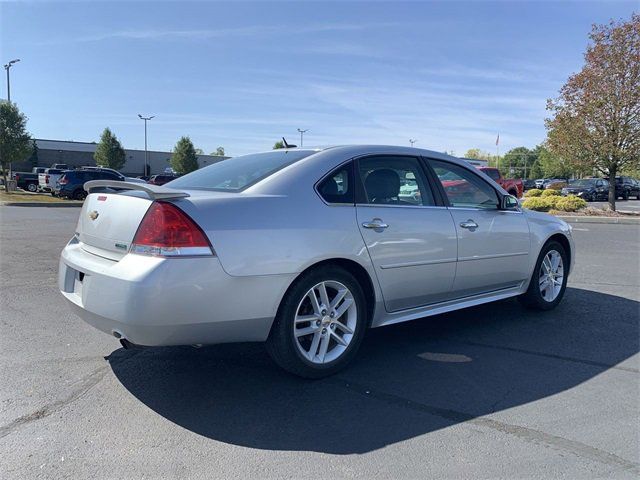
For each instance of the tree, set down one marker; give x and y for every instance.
(219, 152)
(595, 121)
(184, 158)
(109, 152)
(14, 138)
(278, 144)
(477, 154)
(553, 165)
(199, 151)
(33, 158)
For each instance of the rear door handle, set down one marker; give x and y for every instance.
(469, 224)
(375, 224)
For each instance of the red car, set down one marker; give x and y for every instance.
(514, 186)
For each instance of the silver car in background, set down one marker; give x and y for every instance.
(305, 249)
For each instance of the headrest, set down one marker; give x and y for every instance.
(382, 185)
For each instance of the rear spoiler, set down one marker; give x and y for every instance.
(155, 192)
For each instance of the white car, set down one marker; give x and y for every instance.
(305, 249)
(47, 180)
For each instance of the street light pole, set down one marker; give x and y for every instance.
(302, 132)
(7, 67)
(412, 141)
(146, 153)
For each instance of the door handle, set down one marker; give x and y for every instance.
(469, 224)
(375, 224)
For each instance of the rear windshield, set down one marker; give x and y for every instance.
(492, 173)
(238, 173)
(585, 182)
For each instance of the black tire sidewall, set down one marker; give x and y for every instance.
(281, 343)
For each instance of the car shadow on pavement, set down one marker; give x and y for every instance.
(408, 379)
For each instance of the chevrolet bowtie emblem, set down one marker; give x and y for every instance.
(93, 214)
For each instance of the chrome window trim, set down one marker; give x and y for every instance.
(384, 205)
(477, 209)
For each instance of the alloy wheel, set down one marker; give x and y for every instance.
(551, 276)
(325, 322)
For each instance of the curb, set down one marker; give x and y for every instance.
(606, 220)
(41, 204)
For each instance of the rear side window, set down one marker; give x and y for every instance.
(237, 173)
(338, 187)
(394, 180)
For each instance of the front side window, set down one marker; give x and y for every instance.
(394, 180)
(338, 186)
(463, 188)
(237, 173)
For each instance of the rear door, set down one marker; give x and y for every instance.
(410, 238)
(493, 244)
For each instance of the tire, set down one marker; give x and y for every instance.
(79, 194)
(292, 352)
(625, 196)
(534, 298)
(32, 187)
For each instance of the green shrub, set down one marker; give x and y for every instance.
(550, 193)
(570, 203)
(534, 192)
(541, 204)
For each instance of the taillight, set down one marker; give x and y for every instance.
(46, 179)
(167, 231)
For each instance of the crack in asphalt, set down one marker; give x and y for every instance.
(550, 355)
(529, 435)
(85, 384)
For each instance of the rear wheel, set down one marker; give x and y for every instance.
(549, 280)
(79, 194)
(32, 187)
(320, 323)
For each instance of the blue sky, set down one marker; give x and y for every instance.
(451, 75)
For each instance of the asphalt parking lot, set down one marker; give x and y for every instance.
(623, 205)
(489, 392)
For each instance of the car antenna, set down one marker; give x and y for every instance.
(286, 145)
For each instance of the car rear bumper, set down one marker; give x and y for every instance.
(177, 301)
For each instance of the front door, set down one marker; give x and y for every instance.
(411, 240)
(493, 244)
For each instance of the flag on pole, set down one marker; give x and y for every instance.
(498, 140)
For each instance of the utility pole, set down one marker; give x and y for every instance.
(146, 153)
(7, 67)
(302, 132)
(412, 141)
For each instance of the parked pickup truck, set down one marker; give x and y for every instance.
(26, 181)
(514, 186)
(48, 179)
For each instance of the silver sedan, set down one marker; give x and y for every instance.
(305, 249)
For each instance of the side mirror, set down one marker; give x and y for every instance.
(508, 202)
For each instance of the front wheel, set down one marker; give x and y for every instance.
(549, 280)
(320, 323)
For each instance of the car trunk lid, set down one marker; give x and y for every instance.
(109, 219)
